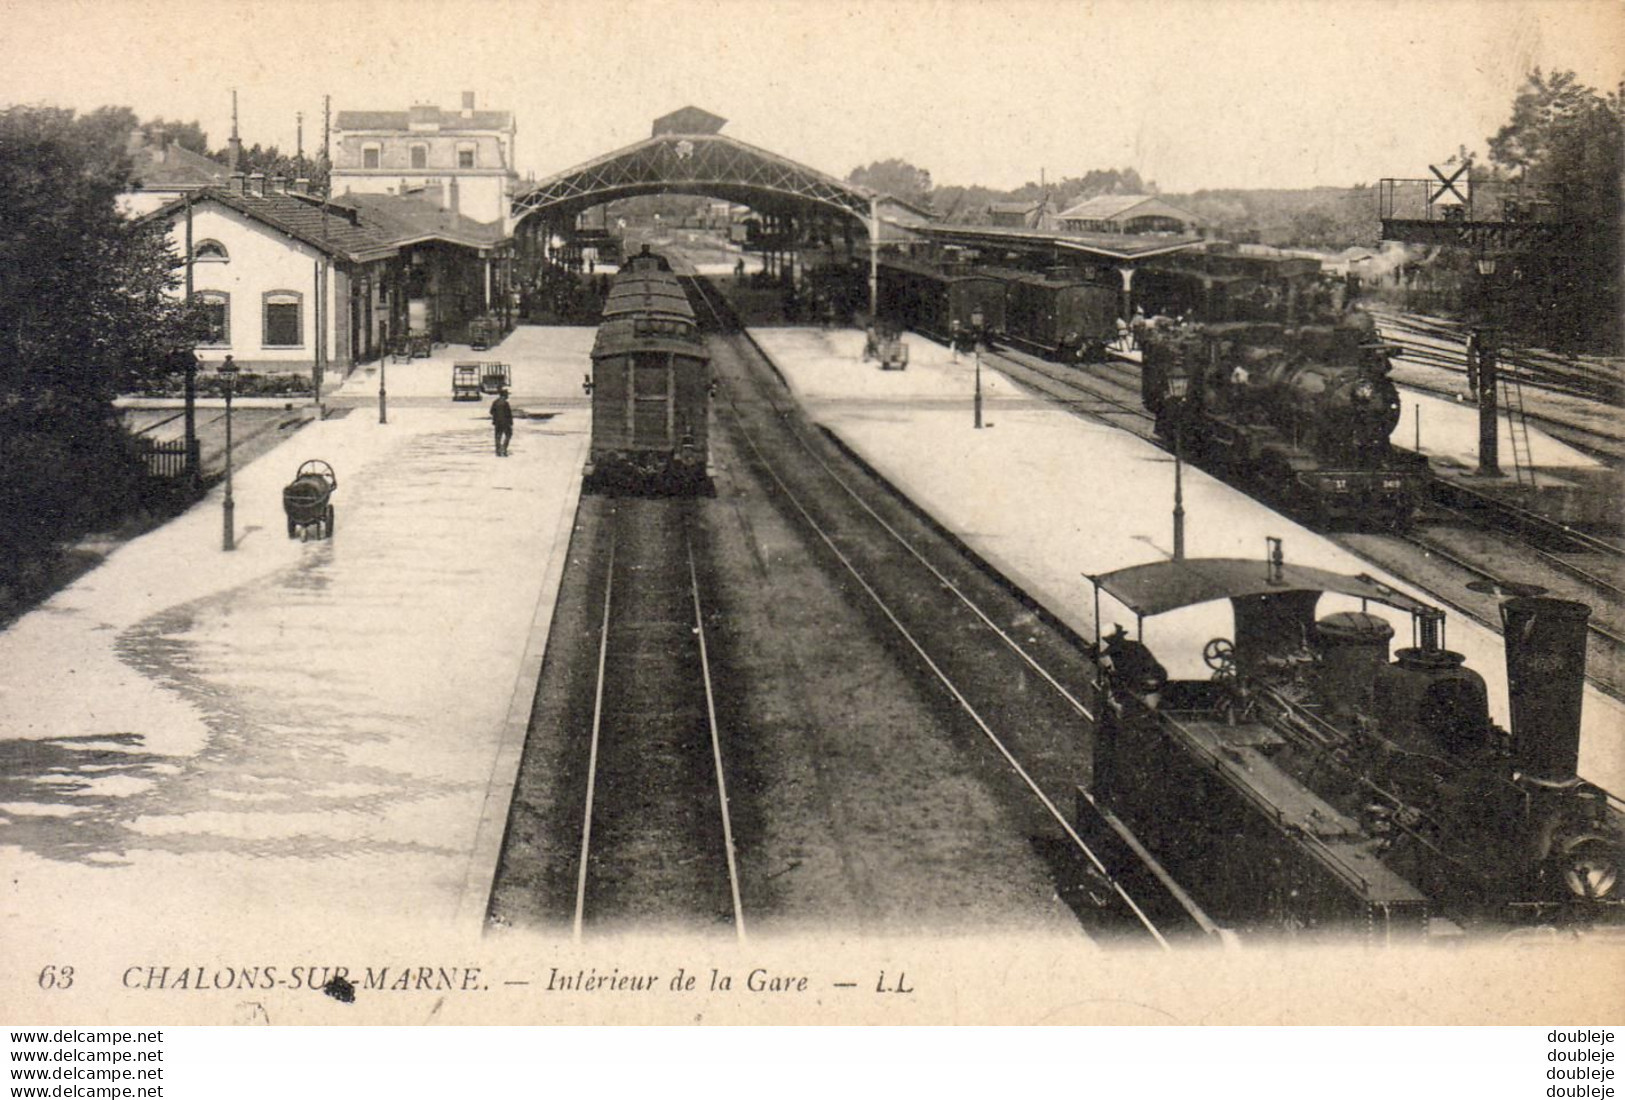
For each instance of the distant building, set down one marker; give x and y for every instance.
(1030, 214)
(283, 273)
(163, 172)
(462, 161)
(1128, 214)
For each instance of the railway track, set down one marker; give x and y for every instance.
(1463, 542)
(1442, 344)
(945, 624)
(656, 840)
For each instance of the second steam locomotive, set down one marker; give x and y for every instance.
(1304, 412)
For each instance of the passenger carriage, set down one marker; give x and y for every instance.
(650, 387)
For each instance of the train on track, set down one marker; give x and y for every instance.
(1314, 784)
(1303, 413)
(1060, 316)
(650, 386)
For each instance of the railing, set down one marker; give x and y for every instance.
(167, 460)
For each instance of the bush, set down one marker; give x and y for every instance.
(247, 385)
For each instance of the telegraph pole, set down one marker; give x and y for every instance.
(194, 475)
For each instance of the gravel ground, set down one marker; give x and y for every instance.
(860, 804)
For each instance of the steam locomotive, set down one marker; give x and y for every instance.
(650, 386)
(1315, 784)
(1304, 412)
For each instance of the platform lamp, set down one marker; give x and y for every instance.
(383, 398)
(976, 352)
(228, 371)
(1179, 384)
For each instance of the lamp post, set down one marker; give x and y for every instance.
(383, 396)
(1178, 387)
(1483, 350)
(228, 371)
(976, 352)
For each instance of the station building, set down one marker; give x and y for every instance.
(292, 280)
(1128, 214)
(462, 161)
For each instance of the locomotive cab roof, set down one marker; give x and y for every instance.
(1163, 586)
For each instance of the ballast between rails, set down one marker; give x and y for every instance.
(936, 669)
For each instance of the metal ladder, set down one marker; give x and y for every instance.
(1523, 462)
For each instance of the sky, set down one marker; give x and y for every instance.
(1190, 93)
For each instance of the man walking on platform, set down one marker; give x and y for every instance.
(502, 421)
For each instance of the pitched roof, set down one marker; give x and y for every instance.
(1026, 206)
(405, 219)
(1113, 207)
(355, 228)
(171, 168)
(424, 115)
(339, 233)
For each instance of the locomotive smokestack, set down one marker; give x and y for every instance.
(1546, 662)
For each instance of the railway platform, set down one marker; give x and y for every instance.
(298, 734)
(1047, 497)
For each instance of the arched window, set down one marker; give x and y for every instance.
(210, 250)
(217, 308)
(284, 325)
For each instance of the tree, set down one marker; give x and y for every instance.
(894, 177)
(1565, 140)
(86, 310)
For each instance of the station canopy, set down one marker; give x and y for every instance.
(686, 154)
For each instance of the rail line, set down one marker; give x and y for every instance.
(1063, 382)
(1438, 343)
(613, 735)
(705, 293)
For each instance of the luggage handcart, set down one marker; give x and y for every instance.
(465, 381)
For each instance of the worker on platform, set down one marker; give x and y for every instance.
(502, 422)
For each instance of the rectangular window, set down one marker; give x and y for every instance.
(369, 156)
(282, 320)
(217, 314)
(465, 157)
(420, 156)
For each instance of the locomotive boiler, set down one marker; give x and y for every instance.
(1316, 782)
(1304, 413)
